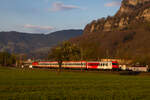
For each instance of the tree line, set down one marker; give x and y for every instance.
(65, 51)
(7, 59)
(68, 51)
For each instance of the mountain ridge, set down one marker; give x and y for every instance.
(26, 43)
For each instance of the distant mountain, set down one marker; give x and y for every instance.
(34, 44)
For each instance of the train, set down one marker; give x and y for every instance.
(98, 65)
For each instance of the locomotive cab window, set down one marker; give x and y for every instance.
(103, 64)
(114, 64)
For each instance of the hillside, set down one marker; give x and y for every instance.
(34, 44)
(124, 35)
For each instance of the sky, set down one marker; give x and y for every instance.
(45, 16)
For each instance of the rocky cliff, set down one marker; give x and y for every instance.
(131, 11)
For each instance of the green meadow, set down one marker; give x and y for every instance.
(44, 84)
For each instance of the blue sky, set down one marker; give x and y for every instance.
(45, 16)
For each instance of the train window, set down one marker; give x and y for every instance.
(114, 64)
(48, 63)
(106, 64)
(43, 63)
(78, 63)
(73, 63)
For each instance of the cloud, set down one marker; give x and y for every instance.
(39, 29)
(58, 6)
(113, 4)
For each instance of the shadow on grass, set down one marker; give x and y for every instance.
(130, 73)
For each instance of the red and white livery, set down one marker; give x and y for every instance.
(107, 65)
(102, 65)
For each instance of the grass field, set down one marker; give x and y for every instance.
(38, 84)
